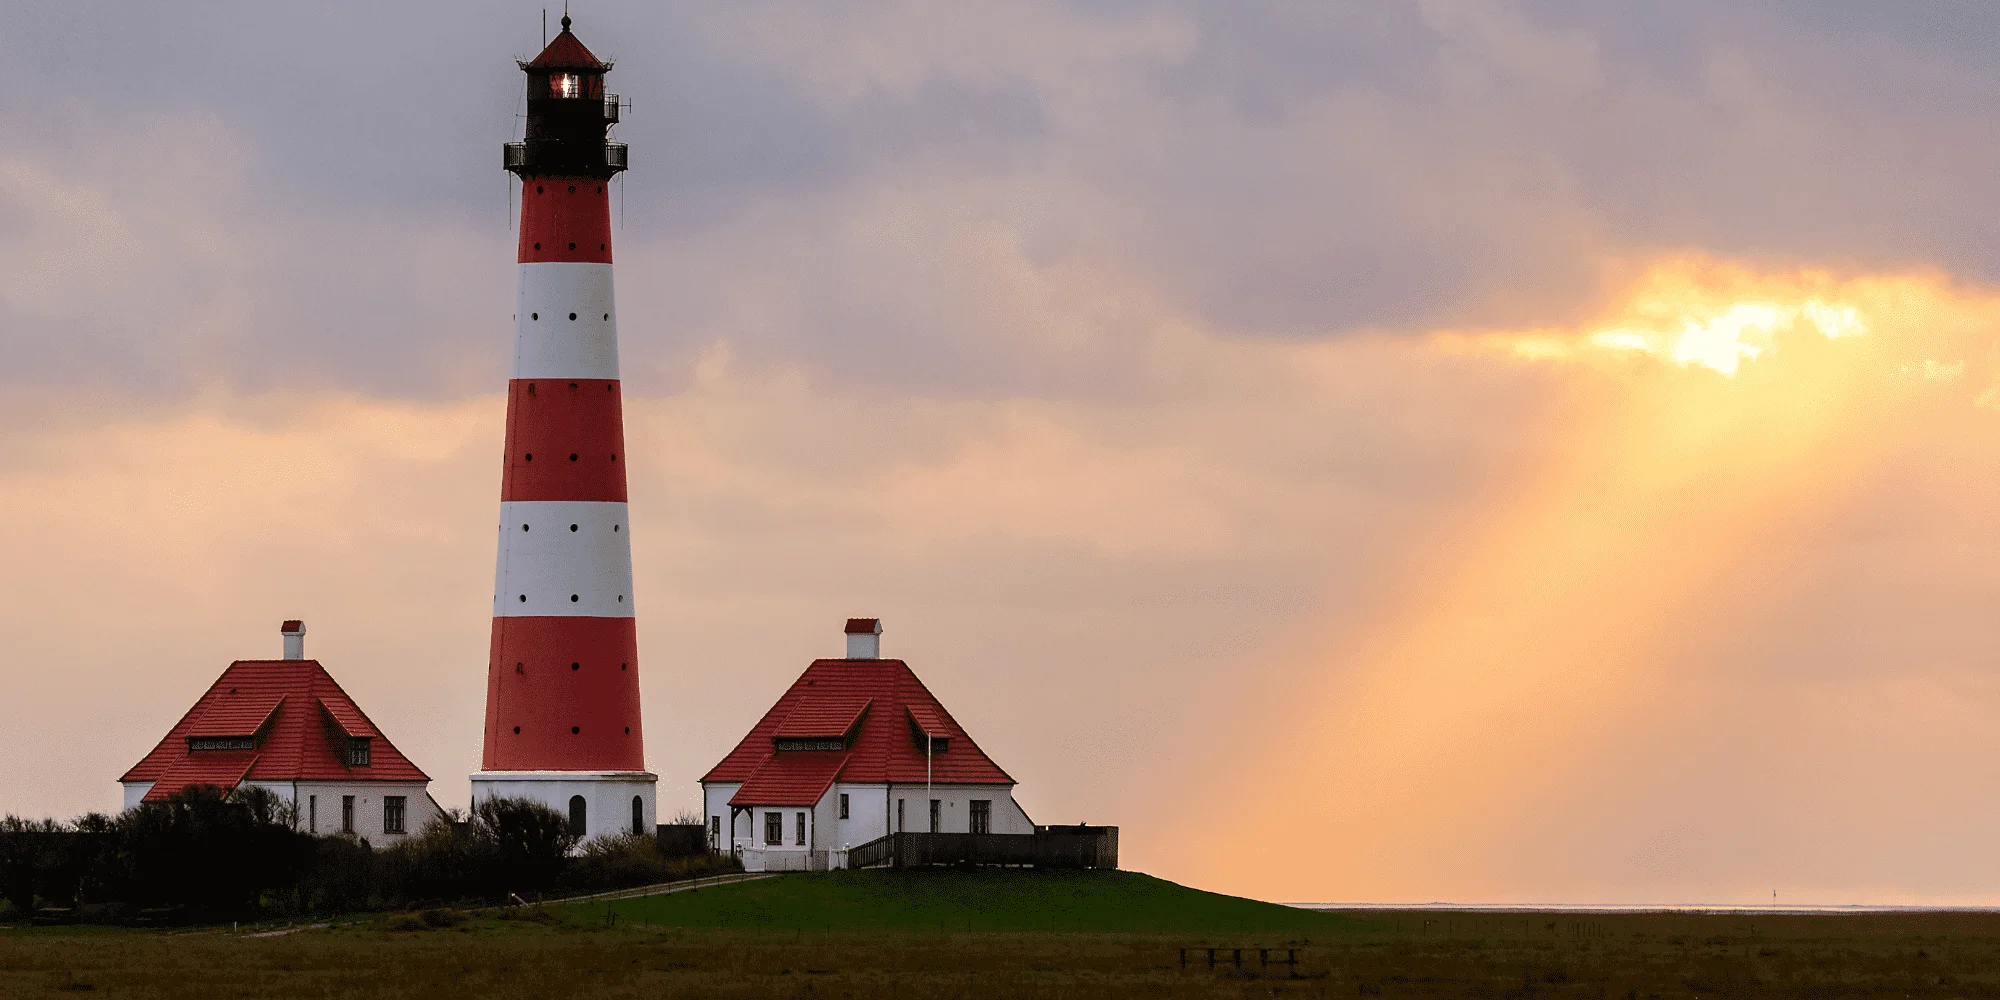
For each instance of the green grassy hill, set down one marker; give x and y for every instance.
(971, 900)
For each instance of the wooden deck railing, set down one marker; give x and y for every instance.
(1047, 847)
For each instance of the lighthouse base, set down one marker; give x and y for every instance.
(603, 803)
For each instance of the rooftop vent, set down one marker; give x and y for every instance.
(294, 632)
(864, 638)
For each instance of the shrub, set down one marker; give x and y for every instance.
(204, 854)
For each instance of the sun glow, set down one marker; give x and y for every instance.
(1741, 332)
(1521, 643)
(1699, 313)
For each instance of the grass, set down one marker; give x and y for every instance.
(571, 951)
(971, 901)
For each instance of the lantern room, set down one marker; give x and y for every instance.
(569, 115)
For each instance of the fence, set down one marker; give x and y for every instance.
(1047, 847)
(682, 840)
(785, 859)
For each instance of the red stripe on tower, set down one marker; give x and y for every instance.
(562, 686)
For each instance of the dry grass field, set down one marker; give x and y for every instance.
(651, 951)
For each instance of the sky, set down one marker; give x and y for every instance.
(1390, 450)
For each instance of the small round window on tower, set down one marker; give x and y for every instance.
(530, 456)
(538, 246)
(524, 527)
(572, 246)
(572, 456)
(572, 189)
(517, 730)
(574, 730)
(572, 598)
(538, 190)
(524, 598)
(535, 316)
(576, 666)
(572, 317)
(572, 527)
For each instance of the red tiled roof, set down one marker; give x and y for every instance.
(235, 714)
(223, 770)
(864, 626)
(292, 625)
(927, 722)
(297, 743)
(882, 748)
(347, 717)
(791, 779)
(566, 52)
(830, 715)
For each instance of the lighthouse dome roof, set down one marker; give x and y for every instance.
(566, 52)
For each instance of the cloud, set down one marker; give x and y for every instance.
(324, 210)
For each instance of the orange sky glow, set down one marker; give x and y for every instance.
(1471, 672)
(1721, 406)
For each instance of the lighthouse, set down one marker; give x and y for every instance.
(562, 681)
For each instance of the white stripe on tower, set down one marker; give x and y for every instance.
(566, 322)
(563, 558)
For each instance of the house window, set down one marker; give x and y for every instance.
(312, 814)
(577, 815)
(357, 751)
(843, 805)
(899, 815)
(774, 829)
(811, 743)
(347, 814)
(934, 815)
(982, 815)
(800, 828)
(638, 816)
(202, 744)
(392, 813)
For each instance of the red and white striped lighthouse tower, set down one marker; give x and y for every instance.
(562, 687)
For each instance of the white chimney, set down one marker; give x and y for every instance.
(294, 632)
(864, 638)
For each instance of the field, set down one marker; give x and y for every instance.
(1013, 934)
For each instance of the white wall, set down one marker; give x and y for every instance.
(867, 814)
(870, 813)
(418, 807)
(955, 808)
(715, 802)
(825, 820)
(789, 816)
(607, 796)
